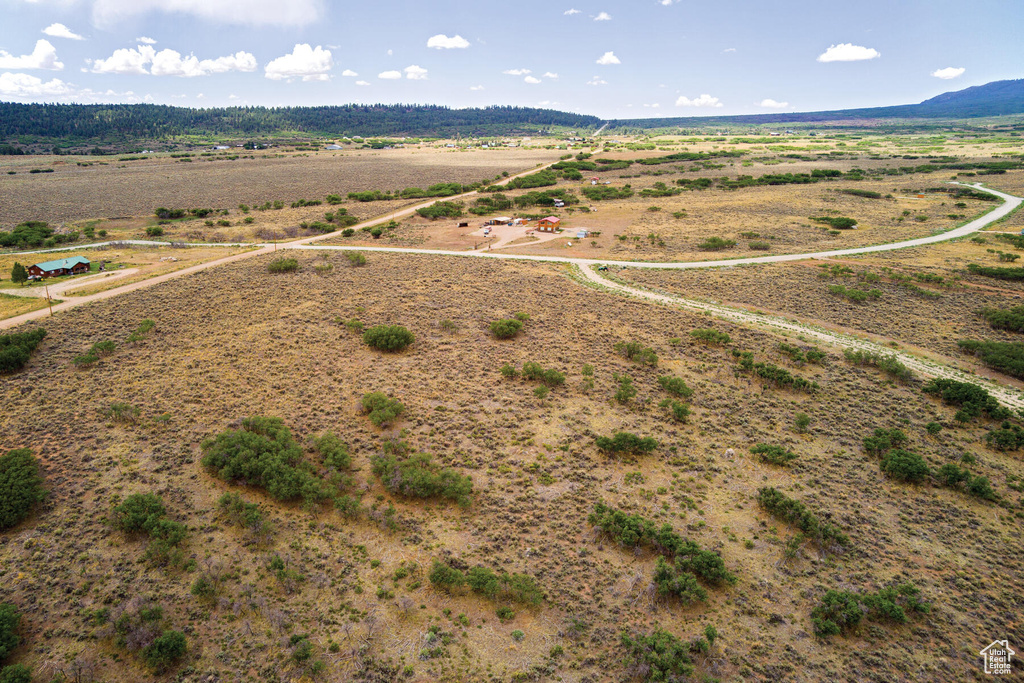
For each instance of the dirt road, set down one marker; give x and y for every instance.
(585, 267)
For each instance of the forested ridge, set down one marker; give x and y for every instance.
(151, 121)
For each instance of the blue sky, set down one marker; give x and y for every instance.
(611, 58)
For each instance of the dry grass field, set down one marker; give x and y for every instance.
(109, 189)
(236, 342)
(912, 311)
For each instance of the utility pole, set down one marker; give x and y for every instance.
(49, 302)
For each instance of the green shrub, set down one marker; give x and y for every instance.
(124, 413)
(263, 453)
(659, 656)
(625, 390)
(9, 621)
(839, 610)
(842, 610)
(638, 353)
(165, 651)
(776, 455)
(857, 296)
(675, 386)
(836, 222)
(17, 348)
(625, 442)
(138, 513)
(711, 336)
(972, 399)
(550, 377)
(445, 577)
(21, 487)
(681, 584)
(356, 258)
(888, 364)
(388, 338)
(1006, 357)
(154, 231)
(144, 513)
(441, 209)
(635, 530)
(716, 243)
(144, 328)
(997, 273)
(680, 411)
(506, 329)
(605, 192)
(519, 588)
(414, 475)
(244, 514)
(283, 264)
(796, 513)
(883, 440)
(1008, 437)
(382, 409)
(1012, 319)
(16, 673)
(905, 466)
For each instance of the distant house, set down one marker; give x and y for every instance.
(582, 234)
(221, 147)
(549, 224)
(333, 147)
(67, 266)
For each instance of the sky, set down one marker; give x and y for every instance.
(609, 58)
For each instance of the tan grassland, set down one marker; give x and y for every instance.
(234, 342)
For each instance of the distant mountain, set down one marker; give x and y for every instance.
(998, 98)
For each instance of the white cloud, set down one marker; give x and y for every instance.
(44, 56)
(389, 75)
(476, 87)
(531, 80)
(24, 85)
(362, 83)
(443, 42)
(145, 40)
(415, 73)
(704, 100)
(666, 3)
(125, 61)
(608, 58)
(769, 103)
(516, 72)
(570, 12)
(390, 52)
(848, 52)
(248, 12)
(949, 72)
(603, 16)
(349, 73)
(61, 31)
(729, 49)
(311, 64)
(655, 105)
(597, 80)
(548, 74)
(170, 63)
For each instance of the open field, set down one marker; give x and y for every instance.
(235, 342)
(136, 188)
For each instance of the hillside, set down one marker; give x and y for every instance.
(999, 98)
(69, 122)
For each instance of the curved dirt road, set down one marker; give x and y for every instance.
(1008, 396)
